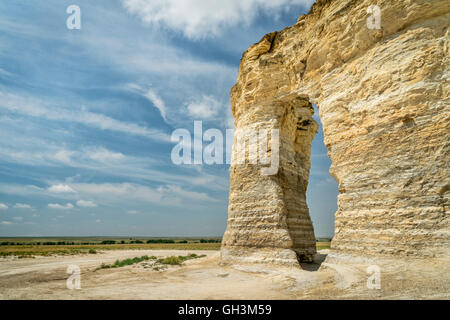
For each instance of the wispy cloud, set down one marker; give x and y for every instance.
(202, 18)
(168, 195)
(34, 107)
(104, 155)
(5, 73)
(22, 206)
(3, 206)
(111, 163)
(61, 188)
(86, 204)
(67, 206)
(206, 108)
(157, 102)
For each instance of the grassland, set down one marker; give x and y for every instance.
(31, 247)
(157, 264)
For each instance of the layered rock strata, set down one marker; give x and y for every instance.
(382, 95)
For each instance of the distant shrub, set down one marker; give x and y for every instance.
(171, 260)
(123, 263)
(160, 241)
(210, 241)
(92, 251)
(108, 242)
(178, 260)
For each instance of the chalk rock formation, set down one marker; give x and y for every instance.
(383, 98)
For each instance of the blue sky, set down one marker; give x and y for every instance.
(86, 115)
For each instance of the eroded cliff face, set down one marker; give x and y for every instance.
(384, 105)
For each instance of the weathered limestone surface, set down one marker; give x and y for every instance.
(383, 97)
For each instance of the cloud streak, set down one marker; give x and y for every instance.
(86, 204)
(61, 188)
(36, 108)
(67, 206)
(22, 206)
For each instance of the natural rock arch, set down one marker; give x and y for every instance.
(383, 101)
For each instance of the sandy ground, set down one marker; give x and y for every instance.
(335, 278)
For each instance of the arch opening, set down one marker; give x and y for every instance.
(269, 218)
(323, 190)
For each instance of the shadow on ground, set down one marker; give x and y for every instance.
(314, 266)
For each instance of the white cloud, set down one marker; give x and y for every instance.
(65, 156)
(36, 108)
(202, 18)
(6, 223)
(178, 191)
(21, 190)
(86, 204)
(61, 188)
(132, 212)
(22, 206)
(117, 191)
(57, 206)
(206, 108)
(103, 154)
(157, 102)
(4, 72)
(18, 218)
(167, 195)
(152, 96)
(3, 206)
(229, 119)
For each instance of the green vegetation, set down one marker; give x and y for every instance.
(179, 260)
(161, 241)
(323, 245)
(98, 241)
(157, 265)
(210, 241)
(126, 262)
(108, 242)
(31, 247)
(27, 252)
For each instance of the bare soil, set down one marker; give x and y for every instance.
(335, 278)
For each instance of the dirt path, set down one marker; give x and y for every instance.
(45, 278)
